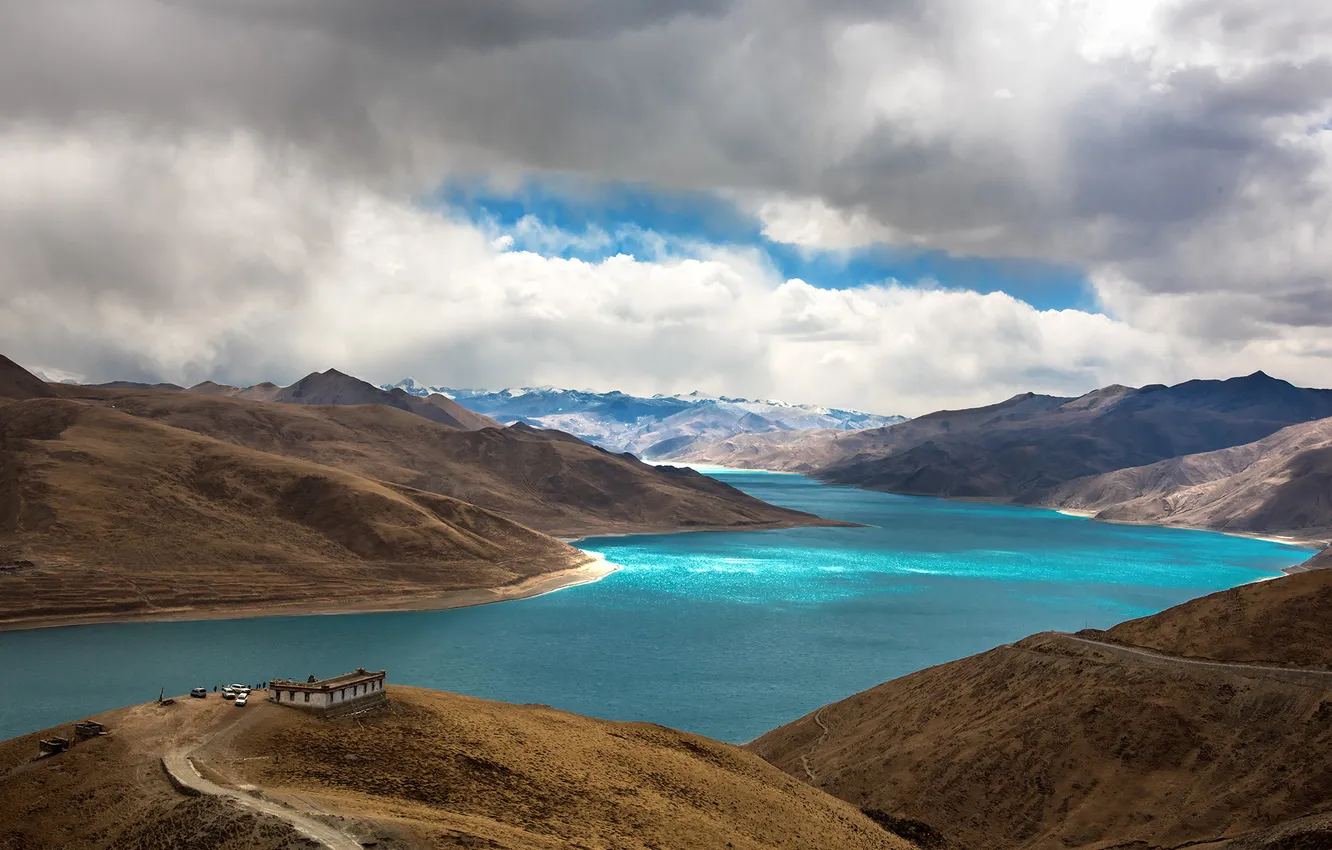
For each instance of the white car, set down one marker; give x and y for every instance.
(240, 700)
(228, 693)
(239, 688)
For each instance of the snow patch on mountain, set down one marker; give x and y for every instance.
(647, 426)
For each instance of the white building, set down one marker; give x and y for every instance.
(350, 691)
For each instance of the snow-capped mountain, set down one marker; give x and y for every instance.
(648, 426)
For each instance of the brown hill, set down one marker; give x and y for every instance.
(811, 451)
(433, 770)
(545, 479)
(103, 514)
(469, 420)
(1025, 448)
(17, 382)
(139, 385)
(336, 388)
(1281, 621)
(1026, 457)
(1055, 742)
(1282, 483)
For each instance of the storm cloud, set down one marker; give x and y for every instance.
(187, 187)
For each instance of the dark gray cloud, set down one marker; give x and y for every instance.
(428, 28)
(1173, 159)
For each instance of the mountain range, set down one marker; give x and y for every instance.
(1244, 454)
(652, 427)
(124, 501)
(332, 388)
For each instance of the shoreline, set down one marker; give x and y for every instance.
(594, 569)
(1317, 544)
(712, 529)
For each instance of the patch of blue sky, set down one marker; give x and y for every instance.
(565, 217)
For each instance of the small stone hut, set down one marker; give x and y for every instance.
(338, 695)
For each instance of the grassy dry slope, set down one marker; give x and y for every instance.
(535, 777)
(545, 479)
(1051, 743)
(436, 770)
(1282, 483)
(1287, 621)
(121, 515)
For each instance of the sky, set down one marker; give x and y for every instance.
(894, 206)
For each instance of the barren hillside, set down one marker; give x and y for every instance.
(18, 383)
(107, 514)
(332, 387)
(1284, 621)
(811, 451)
(1057, 743)
(433, 770)
(1282, 483)
(547, 480)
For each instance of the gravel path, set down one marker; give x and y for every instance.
(1298, 674)
(183, 772)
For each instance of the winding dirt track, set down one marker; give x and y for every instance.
(1297, 675)
(804, 759)
(183, 772)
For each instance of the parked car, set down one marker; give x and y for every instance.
(199, 693)
(240, 700)
(228, 693)
(239, 689)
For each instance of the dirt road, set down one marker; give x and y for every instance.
(182, 771)
(1295, 675)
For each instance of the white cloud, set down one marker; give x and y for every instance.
(379, 287)
(229, 203)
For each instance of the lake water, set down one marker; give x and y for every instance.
(725, 634)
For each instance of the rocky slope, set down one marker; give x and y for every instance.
(432, 770)
(547, 480)
(1282, 483)
(1054, 742)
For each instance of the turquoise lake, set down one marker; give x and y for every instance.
(725, 634)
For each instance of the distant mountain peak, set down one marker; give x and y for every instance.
(648, 425)
(1262, 378)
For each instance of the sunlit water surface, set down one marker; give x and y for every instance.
(726, 634)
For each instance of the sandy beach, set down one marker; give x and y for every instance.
(595, 569)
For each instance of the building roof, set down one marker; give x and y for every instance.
(361, 675)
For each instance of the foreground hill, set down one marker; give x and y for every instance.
(1282, 483)
(1068, 742)
(433, 770)
(1283, 621)
(107, 515)
(658, 427)
(550, 481)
